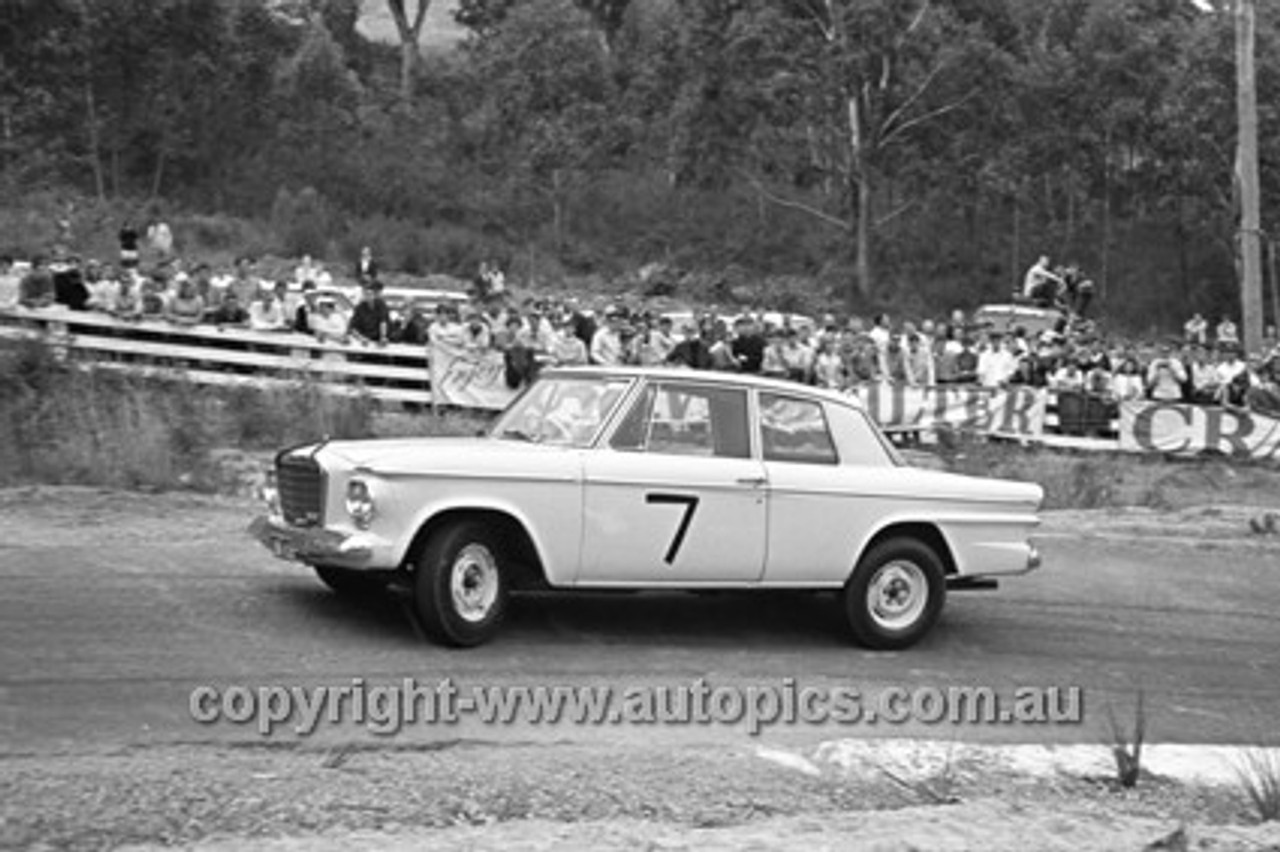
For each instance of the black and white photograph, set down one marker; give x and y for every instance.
(520, 425)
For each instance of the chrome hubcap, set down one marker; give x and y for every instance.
(897, 595)
(473, 580)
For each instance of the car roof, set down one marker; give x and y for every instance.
(714, 377)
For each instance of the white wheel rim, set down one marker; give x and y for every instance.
(473, 581)
(897, 595)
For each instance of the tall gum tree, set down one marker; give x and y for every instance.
(868, 76)
(409, 17)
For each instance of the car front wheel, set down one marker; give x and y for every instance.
(895, 594)
(460, 586)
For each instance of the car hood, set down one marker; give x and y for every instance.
(408, 456)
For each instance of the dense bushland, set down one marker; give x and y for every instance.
(904, 154)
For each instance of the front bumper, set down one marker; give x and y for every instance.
(313, 545)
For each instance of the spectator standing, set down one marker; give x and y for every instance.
(326, 324)
(606, 345)
(1128, 383)
(128, 301)
(1041, 285)
(656, 343)
(10, 283)
(477, 335)
(245, 284)
(1230, 365)
(828, 366)
(774, 362)
(566, 348)
(692, 350)
(748, 344)
(996, 364)
(160, 239)
(414, 330)
(230, 311)
(861, 363)
(1204, 377)
(1165, 376)
(128, 246)
(1226, 334)
(1196, 330)
(68, 282)
(967, 362)
(187, 306)
(918, 364)
(797, 354)
(155, 303)
(881, 335)
(371, 319)
(366, 266)
(266, 313)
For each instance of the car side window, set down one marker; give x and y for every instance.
(795, 430)
(678, 419)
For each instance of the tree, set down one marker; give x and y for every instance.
(545, 117)
(409, 28)
(863, 79)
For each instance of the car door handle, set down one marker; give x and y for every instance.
(754, 481)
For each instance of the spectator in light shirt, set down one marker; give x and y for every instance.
(996, 364)
(326, 324)
(10, 283)
(918, 364)
(1226, 333)
(606, 346)
(1166, 376)
(1196, 329)
(266, 313)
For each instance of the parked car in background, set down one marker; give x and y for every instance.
(649, 478)
(1005, 318)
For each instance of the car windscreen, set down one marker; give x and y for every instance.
(563, 411)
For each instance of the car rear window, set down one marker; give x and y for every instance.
(795, 430)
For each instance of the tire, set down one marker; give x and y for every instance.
(895, 594)
(460, 585)
(350, 583)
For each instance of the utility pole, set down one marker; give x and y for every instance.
(1247, 175)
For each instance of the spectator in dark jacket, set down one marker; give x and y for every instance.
(371, 319)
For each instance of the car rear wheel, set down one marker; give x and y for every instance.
(895, 594)
(349, 582)
(460, 585)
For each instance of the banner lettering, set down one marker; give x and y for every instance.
(1170, 427)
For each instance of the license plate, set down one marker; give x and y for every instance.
(282, 549)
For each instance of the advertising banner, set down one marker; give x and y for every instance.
(1007, 411)
(1168, 427)
(468, 378)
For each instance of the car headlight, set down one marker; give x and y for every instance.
(360, 503)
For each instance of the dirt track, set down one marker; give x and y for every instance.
(116, 605)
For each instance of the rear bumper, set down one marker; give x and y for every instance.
(313, 545)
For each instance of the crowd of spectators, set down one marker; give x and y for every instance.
(1205, 366)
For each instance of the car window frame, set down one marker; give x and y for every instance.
(603, 428)
(837, 460)
(656, 384)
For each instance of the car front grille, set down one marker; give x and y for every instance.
(300, 483)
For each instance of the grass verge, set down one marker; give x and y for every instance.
(66, 425)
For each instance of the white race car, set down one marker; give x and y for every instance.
(634, 478)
